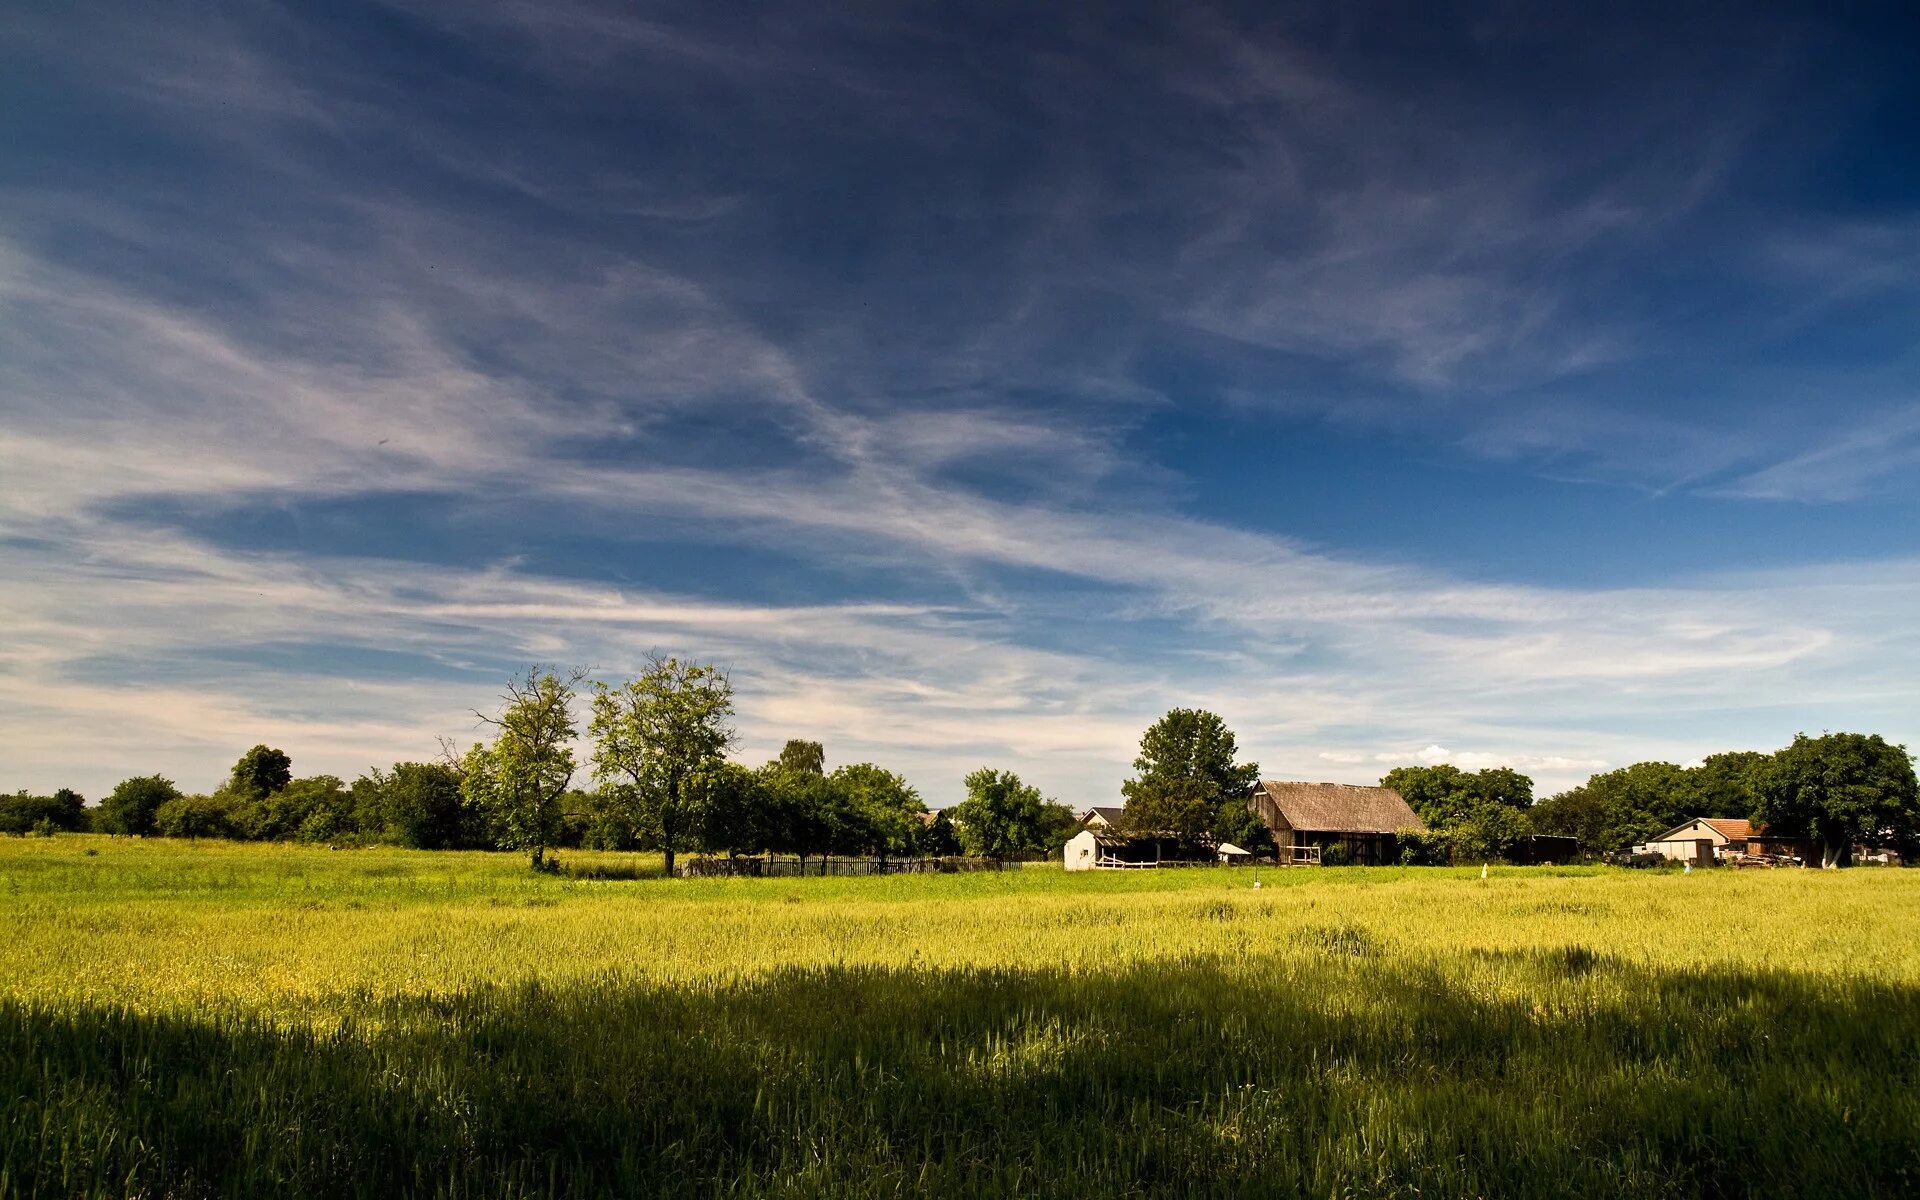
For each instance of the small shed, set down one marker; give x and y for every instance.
(1310, 819)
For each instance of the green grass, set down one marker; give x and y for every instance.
(204, 1019)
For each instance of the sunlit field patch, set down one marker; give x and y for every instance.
(217, 1019)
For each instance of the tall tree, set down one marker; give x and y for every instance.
(803, 757)
(1001, 817)
(655, 736)
(1619, 808)
(735, 815)
(1841, 789)
(1188, 778)
(519, 778)
(1444, 794)
(887, 808)
(419, 805)
(1723, 784)
(261, 772)
(131, 806)
(938, 839)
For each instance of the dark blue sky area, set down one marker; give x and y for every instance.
(991, 375)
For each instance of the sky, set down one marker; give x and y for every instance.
(1490, 384)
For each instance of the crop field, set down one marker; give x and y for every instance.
(189, 1019)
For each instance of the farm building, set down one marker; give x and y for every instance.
(1311, 819)
(1103, 849)
(1102, 817)
(1770, 844)
(1702, 840)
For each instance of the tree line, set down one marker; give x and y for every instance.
(659, 777)
(662, 780)
(1837, 791)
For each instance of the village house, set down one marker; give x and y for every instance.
(1309, 820)
(1703, 840)
(1102, 817)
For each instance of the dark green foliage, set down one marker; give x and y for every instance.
(1840, 789)
(657, 739)
(736, 813)
(419, 805)
(1621, 808)
(1472, 816)
(1189, 1079)
(1723, 784)
(221, 815)
(1188, 778)
(881, 812)
(260, 773)
(1237, 823)
(1002, 818)
(1444, 794)
(131, 806)
(939, 840)
(520, 778)
(1058, 823)
(804, 812)
(64, 811)
(319, 809)
(803, 757)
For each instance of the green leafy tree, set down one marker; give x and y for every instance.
(1001, 818)
(656, 737)
(519, 778)
(803, 811)
(221, 815)
(317, 809)
(1058, 822)
(1723, 784)
(803, 757)
(1188, 785)
(23, 812)
(735, 813)
(886, 807)
(939, 839)
(1476, 815)
(418, 804)
(260, 773)
(1619, 808)
(1840, 789)
(130, 807)
(1444, 794)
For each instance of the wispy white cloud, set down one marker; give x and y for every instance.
(1037, 601)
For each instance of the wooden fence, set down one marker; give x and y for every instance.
(770, 867)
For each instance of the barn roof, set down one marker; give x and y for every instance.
(1731, 828)
(1339, 807)
(1111, 814)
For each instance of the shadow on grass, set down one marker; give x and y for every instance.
(1320, 1074)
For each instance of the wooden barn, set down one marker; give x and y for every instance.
(1310, 819)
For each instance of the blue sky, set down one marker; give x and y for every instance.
(1408, 383)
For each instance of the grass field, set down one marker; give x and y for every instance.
(207, 1019)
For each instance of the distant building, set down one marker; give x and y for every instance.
(1103, 817)
(1311, 819)
(1105, 849)
(1703, 840)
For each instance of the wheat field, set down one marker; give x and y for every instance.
(212, 1019)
